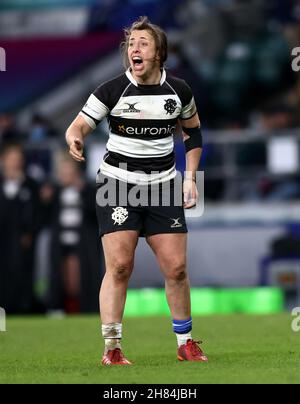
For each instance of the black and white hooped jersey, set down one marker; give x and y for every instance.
(142, 121)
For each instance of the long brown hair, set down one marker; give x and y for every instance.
(158, 34)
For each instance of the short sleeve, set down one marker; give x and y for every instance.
(96, 107)
(189, 108)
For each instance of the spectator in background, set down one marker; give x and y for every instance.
(69, 212)
(18, 209)
(41, 129)
(39, 159)
(283, 11)
(274, 119)
(8, 131)
(277, 116)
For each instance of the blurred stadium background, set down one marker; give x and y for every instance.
(244, 253)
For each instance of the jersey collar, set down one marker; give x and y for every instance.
(133, 81)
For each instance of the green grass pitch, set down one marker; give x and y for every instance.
(241, 349)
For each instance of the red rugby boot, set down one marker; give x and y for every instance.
(115, 357)
(191, 351)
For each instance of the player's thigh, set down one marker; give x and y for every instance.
(170, 251)
(119, 248)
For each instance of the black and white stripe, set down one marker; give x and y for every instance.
(142, 121)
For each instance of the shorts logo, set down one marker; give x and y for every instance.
(176, 223)
(170, 106)
(120, 215)
(131, 108)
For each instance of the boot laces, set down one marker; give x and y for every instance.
(195, 348)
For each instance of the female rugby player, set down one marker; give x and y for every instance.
(143, 107)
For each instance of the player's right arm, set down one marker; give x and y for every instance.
(87, 120)
(75, 135)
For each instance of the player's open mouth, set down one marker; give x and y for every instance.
(137, 63)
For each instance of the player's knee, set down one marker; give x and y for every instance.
(178, 272)
(122, 270)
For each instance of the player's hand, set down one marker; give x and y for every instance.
(190, 193)
(76, 150)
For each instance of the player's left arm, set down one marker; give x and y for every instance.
(192, 137)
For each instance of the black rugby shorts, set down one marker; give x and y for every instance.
(150, 210)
